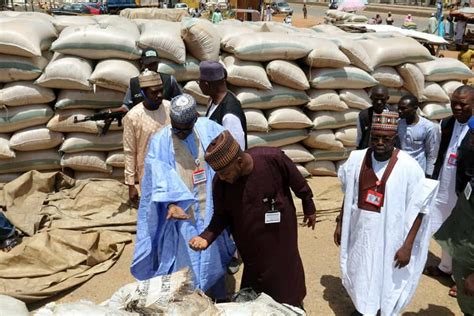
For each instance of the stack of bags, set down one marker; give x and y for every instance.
(341, 17)
(301, 89)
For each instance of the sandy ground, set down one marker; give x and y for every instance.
(326, 296)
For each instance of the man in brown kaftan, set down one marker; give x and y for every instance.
(252, 197)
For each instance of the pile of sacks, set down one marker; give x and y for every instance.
(301, 89)
(341, 17)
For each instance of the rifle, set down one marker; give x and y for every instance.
(107, 117)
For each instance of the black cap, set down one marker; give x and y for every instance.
(149, 55)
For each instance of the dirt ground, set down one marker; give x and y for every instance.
(320, 256)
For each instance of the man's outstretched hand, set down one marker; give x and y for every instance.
(310, 220)
(198, 243)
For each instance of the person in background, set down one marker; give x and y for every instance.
(9, 237)
(432, 24)
(287, 19)
(418, 136)
(459, 30)
(408, 19)
(441, 27)
(216, 16)
(378, 19)
(305, 11)
(389, 20)
(465, 55)
(268, 13)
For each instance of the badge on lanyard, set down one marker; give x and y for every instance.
(452, 159)
(273, 216)
(199, 176)
(468, 191)
(374, 198)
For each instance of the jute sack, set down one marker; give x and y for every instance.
(288, 118)
(227, 31)
(331, 119)
(246, 73)
(77, 142)
(340, 78)
(414, 80)
(322, 139)
(25, 37)
(106, 74)
(288, 74)
(35, 138)
(116, 159)
(347, 135)
(390, 52)
(335, 154)
(5, 151)
(436, 111)
(305, 173)
(202, 40)
(24, 93)
(99, 41)
(356, 53)
(321, 100)
(167, 41)
(394, 95)
(358, 19)
(434, 93)
(297, 153)
(182, 72)
(86, 161)
(328, 29)
(356, 99)
(173, 15)
(117, 174)
(256, 121)
(32, 160)
(66, 72)
(192, 88)
(61, 22)
(388, 76)
(321, 168)
(19, 68)
(27, 15)
(442, 69)
(325, 54)
(17, 118)
(267, 46)
(100, 99)
(450, 86)
(268, 99)
(276, 138)
(63, 121)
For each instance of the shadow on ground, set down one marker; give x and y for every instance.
(335, 294)
(434, 260)
(432, 310)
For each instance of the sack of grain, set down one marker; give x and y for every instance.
(335, 154)
(35, 138)
(356, 53)
(267, 46)
(256, 121)
(326, 54)
(331, 119)
(117, 174)
(116, 159)
(77, 142)
(227, 31)
(5, 151)
(305, 173)
(322, 139)
(67, 72)
(358, 19)
(19, 68)
(268, 99)
(442, 69)
(340, 78)
(27, 15)
(328, 29)
(86, 161)
(182, 72)
(25, 92)
(202, 40)
(172, 15)
(297, 153)
(434, 93)
(390, 52)
(100, 99)
(63, 121)
(414, 80)
(105, 74)
(321, 100)
(61, 22)
(32, 160)
(357, 99)
(394, 95)
(347, 135)
(167, 41)
(450, 86)
(192, 88)
(388, 76)
(276, 138)
(288, 118)
(287, 74)
(100, 41)
(436, 111)
(246, 73)
(17, 118)
(321, 168)
(25, 37)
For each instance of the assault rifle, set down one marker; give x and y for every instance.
(107, 117)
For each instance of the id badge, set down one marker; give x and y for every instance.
(374, 198)
(468, 191)
(199, 176)
(452, 159)
(272, 217)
